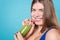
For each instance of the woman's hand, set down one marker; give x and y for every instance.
(18, 36)
(27, 21)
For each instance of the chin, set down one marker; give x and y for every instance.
(38, 23)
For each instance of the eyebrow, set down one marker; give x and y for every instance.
(39, 9)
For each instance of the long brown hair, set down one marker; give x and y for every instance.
(50, 18)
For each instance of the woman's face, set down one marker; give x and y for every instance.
(37, 13)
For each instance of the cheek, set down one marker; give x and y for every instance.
(32, 14)
(40, 13)
(39, 23)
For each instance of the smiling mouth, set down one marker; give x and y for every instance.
(38, 19)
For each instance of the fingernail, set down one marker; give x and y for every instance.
(16, 32)
(31, 21)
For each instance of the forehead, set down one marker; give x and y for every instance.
(38, 6)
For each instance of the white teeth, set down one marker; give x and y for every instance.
(38, 19)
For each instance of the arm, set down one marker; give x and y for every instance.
(53, 35)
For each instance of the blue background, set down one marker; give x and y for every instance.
(13, 12)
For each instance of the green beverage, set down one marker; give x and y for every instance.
(25, 29)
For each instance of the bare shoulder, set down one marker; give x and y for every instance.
(53, 34)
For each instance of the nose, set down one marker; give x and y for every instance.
(38, 14)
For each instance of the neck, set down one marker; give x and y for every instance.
(39, 28)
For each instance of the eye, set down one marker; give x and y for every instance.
(41, 10)
(33, 10)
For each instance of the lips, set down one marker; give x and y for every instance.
(38, 19)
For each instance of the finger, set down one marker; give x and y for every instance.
(26, 21)
(19, 36)
(32, 23)
(15, 37)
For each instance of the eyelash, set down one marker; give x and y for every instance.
(39, 10)
(33, 10)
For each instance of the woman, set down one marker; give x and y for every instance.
(44, 22)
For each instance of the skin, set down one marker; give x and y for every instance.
(53, 34)
(37, 18)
